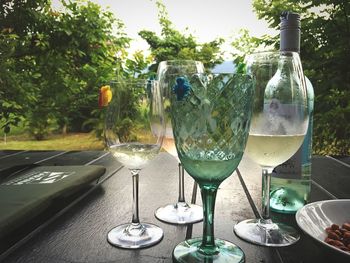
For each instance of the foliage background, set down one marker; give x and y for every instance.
(52, 63)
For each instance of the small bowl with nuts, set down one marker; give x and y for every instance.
(328, 222)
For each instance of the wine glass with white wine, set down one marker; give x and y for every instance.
(279, 124)
(179, 212)
(134, 131)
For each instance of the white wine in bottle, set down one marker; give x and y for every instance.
(291, 181)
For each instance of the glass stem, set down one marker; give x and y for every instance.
(266, 182)
(181, 184)
(135, 197)
(208, 242)
(194, 192)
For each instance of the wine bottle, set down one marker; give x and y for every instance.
(291, 181)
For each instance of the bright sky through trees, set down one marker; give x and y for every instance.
(205, 19)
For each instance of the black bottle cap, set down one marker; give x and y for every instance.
(290, 31)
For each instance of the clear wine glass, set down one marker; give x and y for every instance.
(279, 124)
(180, 212)
(134, 130)
(210, 125)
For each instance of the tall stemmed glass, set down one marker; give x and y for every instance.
(210, 117)
(180, 212)
(278, 127)
(134, 130)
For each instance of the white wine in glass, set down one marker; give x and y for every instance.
(272, 150)
(169, 146)
(134, 131)
(278, 126)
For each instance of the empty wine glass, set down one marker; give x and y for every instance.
(134, 130)
(279, 124)
(180, 212)
(210, 124)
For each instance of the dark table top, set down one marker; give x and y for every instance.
(76, 230)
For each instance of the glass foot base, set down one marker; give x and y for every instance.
(180, 213)
(190, 251)
(286, 201)
(134, 236)
(266, 233)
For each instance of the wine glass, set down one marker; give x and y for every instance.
(279, 124)
(180, 212)
(210, 125)
(134, 130)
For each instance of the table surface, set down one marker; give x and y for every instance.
(76, 231)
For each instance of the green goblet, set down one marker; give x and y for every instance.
(210, 116)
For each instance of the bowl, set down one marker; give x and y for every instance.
(315, 217)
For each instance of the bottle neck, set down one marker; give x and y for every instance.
(290, 32)
(284, 65)
(290, 39)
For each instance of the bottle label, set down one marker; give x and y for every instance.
(290, 169)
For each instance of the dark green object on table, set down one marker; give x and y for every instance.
(29, 194)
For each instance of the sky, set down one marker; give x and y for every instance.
(205, 19)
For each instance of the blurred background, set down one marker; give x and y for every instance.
(55, 56)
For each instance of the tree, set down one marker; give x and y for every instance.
(325, 53)
(58, 60)
(173, 44)
(244, 44)
(17, 21)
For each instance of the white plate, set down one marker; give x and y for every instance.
(315, 217)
